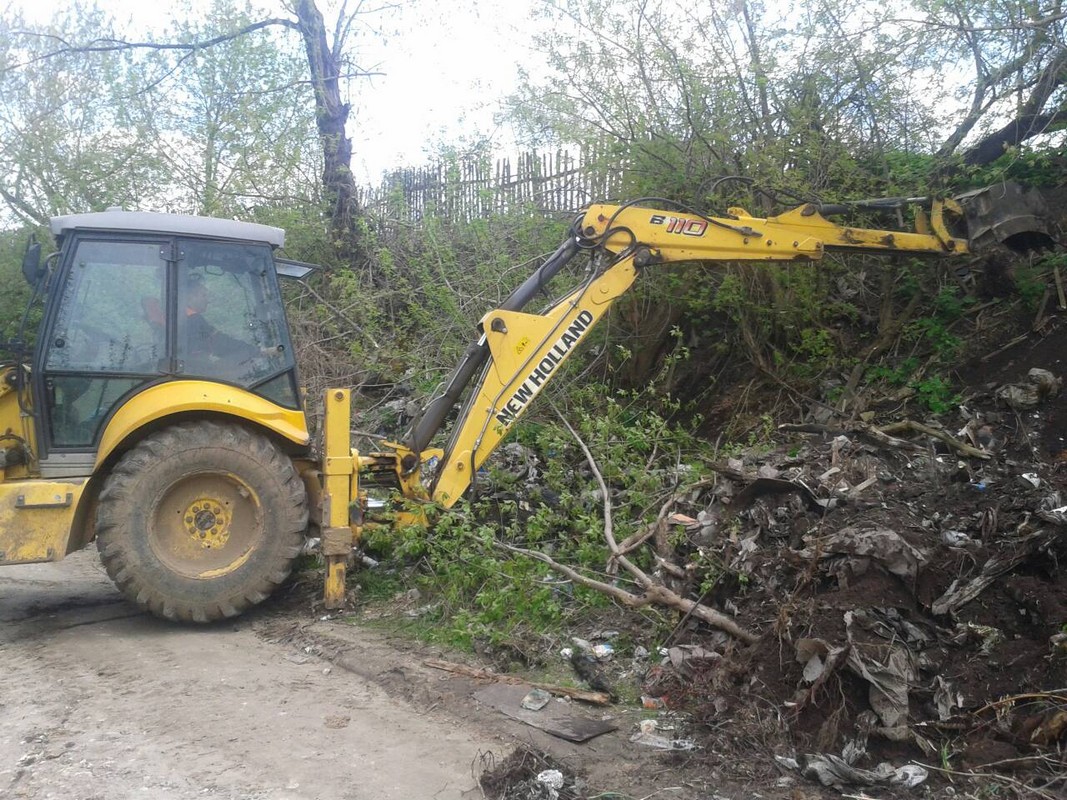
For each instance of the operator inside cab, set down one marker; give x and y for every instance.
(230, 323)
(205, 345)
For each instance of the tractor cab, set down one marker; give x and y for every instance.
(136, 300)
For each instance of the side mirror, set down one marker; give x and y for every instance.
(31, 262)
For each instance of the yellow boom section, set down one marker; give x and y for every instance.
(527, 350)
(518, 353)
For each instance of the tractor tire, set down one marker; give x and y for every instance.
(201, 521)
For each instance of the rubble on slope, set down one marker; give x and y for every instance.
(911, 600)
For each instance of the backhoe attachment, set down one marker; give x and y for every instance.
(517, 353)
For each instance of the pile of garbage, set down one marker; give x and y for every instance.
(908, 588)
(528, 774)
(896, 594)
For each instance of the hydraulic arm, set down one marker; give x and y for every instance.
(518, 353)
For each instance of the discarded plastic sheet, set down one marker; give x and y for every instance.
(1030, 480)
(1040, 385)
(946, 699)
(552, 778)
(959, 594)
(648, 735)
(834, 771)
(558, 721)
(820, 660)
(881, 545)
(687, 657)
(958, 539)
(889, 669)
(603, 652)
(988, 636)
(658, 742)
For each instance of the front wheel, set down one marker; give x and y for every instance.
(200, 521)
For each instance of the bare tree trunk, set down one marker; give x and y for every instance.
(993, 146)
(331, 115)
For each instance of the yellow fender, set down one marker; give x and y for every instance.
(177, 397)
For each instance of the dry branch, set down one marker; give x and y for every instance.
(884, 435)
(918, 427)
(653, 594)
(599, 698)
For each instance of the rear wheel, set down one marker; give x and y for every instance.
(200, 521)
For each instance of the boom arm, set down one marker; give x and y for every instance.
(518, 353)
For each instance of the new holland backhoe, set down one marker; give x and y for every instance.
(159, 412)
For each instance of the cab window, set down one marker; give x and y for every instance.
(108, 336)
(230, 324)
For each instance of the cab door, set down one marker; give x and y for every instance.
(106, 334)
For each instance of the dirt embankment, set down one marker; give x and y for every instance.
(918, 616)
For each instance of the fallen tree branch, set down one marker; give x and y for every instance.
(653, 594)
(884, 435)
(599, 698)
(635, 540)
(960, 594)
(955, 444)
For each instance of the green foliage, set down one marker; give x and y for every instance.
(67, 143)
(790, 313)
(1030, 281)
(84, 127)
(937, 394)
(490, 595)
(428, 286)
(14, 291)
(1033, 166)
(896, 375)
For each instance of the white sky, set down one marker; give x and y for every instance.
(447, 69)
(447, 66)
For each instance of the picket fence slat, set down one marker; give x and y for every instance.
(468, 189)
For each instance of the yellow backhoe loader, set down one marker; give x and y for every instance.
(160, 413)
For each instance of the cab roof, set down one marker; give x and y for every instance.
(115, 219)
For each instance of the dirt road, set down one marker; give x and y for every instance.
(99, 701)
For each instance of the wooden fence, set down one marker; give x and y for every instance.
(465, 189)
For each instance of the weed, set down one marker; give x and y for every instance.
(936, 394)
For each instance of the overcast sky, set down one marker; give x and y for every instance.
(446, 65)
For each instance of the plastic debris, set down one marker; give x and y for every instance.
(603, 652)
(830, 770)
(1058, 644)
(582, 644)
(881, 545)
(1041, 384)
(691, 658)
(536, 699)
(951, 538)
(1030, 480)
(552, 778)
(986, 636)
(648, 735)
